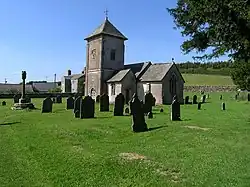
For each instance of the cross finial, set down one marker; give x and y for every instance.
(106, 13)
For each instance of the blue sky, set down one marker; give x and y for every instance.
(45, 37)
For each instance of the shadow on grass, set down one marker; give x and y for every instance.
(155, 128)
(11, 123)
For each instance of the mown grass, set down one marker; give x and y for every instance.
(210, 80)
(57, 150)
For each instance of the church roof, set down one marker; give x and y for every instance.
(107, 28)
(119, 76)
(138, 68)
(156, 72)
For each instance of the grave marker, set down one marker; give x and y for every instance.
(70, 103)
(104, 103)
(47, 105)
(87, 108)
(119, 105)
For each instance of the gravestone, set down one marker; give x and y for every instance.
(148, 103)
(175, 110)
(161, 110)
(119, 105)
(139, 124)
(58, 99)
(28, 99)
(4, 103)
(203, 98)
(248, 97)
(220, 97)
(207, 96)
(53, 99)
(87, 108)
(195, 99)
(70, 103)
(223, 106)
(150, 115)
(77, 104)
(236, 97)
(154, 100)
(187, 100)
(16, 98)
(98, 98)
(199, 106)
(104, 103)
(127, 110)
(47, 105)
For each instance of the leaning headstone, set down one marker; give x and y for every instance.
(139, 124)
(223, 106)
(104, 103)
(148, 103)
(119, 105)
(203, 98)
(58, 99)
(87, 108)
(220, 97)
(150, 115)
(127, 110)
(195, 99)
(98, 98)
(16, 98)
(77, 105)
(4, 103)
(154, 101)
(175, 110)
(187, 100)
(199, 106)
(47, 105)
(70, 103)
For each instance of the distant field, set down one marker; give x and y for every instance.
(213, 80)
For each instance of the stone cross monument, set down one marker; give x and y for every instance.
(23, 98)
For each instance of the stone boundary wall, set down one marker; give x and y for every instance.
(210, 88)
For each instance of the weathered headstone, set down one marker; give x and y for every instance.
(207, 96)
(104, 103)
(150, 115)
(161, 110)
(236, 97)
(223, 106)
(87, 108)
(127, 110)
(53, 99)
(4, 103)
(119, 105)
(203, 98)
(195, 99)
(148, 103)
(58, 99)
(175, 110)
(139, 124)
(187, 100)
(77, 105)
(98, 98)
(47, 105)
(154, 101)
(248, 97)
(16, 98)
(220, 97)
(70, 103)
(199, 106)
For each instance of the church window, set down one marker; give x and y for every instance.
(112, 54)
(112, 89)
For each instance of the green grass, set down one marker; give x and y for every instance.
(210, 80)
(57, 150)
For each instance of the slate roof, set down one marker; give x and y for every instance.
(107, 28)
(119, 76)
(138, 68)
(156, 72)
(44, 87)
(6, 88)
(76, 76)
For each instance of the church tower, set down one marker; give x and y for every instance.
(105, 55)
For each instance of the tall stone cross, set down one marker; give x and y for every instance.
(106, 13)
(23, 78)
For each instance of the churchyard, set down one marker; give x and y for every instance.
(208, 147)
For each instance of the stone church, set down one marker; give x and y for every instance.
(105, 71)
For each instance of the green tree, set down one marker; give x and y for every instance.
(222, 26)
(241, 74)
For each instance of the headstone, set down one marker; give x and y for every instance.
(236, 97)
(199, 106)
(187, 100)
(220, 97)
(58, 99)
(127, 110)
(148, 103)
(119, 105)
(202, 92)
(16, 98)
(203, 98)
(175, 110)
(104, 103)
(207, 96)
(161, 110)
(154, 100)
(4, 103)
(98, 98)
(248, 97)
(223, 106)
(47, 105)
(195, 99)
(77, 104)
(28, 99)
(70, 103)
(139, 124)
(87, 108)
(53, 99)
(150, 115)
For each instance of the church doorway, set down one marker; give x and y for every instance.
(93, 93)
(127, 96)
(173, 83)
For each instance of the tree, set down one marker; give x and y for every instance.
(223, 26)
(241, 74)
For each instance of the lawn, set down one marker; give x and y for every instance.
(210, 80)
(209, 147)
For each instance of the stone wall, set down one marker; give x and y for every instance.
(210, 88)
